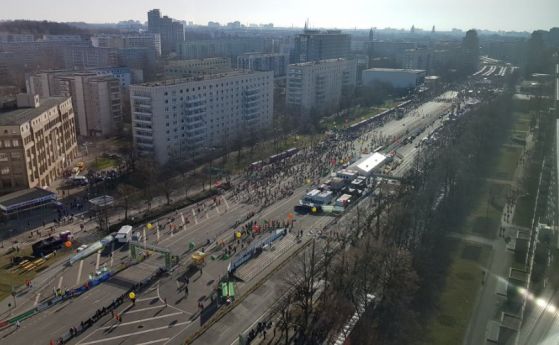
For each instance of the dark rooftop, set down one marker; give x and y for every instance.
(22, 196)
(22, 115)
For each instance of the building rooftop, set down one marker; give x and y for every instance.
(369, 163)
(395, 70)
(261, 54)
(170, 82)
(318, 62)
(24, 197)
(19, 116)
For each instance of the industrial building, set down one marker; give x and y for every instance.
(398, 78)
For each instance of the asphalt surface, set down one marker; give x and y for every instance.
(150, 321)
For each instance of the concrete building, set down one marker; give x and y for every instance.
(133, 40)
(189, 68)
(83, 57)
(224, 47)
(398, 78)
(185, 118)
(171, 31)
(97, 96)
(37, 142)
(318, 86)
(313, 45)
(417, 58)
(264, 62)
(15, 38)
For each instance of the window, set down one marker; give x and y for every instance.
(7, 143)
(15, 143)
(16, 155)
(5, 171)
(3, 157)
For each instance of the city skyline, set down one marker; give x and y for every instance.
(399, 14)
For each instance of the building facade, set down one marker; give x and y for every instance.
(171, 31)
(224, 47)
(37, 142)
(314, 45)
(97, 96)
(185, 118)
(134, 40)
(264, 62)
(189, 68)
(319, 86)
(397, 78)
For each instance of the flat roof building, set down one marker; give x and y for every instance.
(318, 86)
(367, 165)
(186, 118)
(37, 142)
(398, 78)
(314, 45)
(175, 69)
(275, 62)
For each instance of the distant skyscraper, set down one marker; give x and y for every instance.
(470, 52)
(171, 31)
(314, 45)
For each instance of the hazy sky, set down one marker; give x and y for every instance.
(517, 15)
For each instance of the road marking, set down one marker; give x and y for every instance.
(135, 333)
(37, 299)
(142, 320)
(60, 282)
(79, 272)
(195, 220)
(146, 299)
(207, 215)
(226, 203)
(98, 261)
(143, 309)
(217, 209)
(154, 341)
(193, 213)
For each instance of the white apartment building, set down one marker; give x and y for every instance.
(186, 118)
(192, 67)
(318, 86)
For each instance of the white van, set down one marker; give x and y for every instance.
(124, 234)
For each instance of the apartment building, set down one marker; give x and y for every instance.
(224, 47)
(187, 118)
(192, 67)
(170, 30)
(133, 40)
(97, 96)
(264, 62)
(37, 142)
(318, 86)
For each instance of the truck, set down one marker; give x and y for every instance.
(124, 234)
